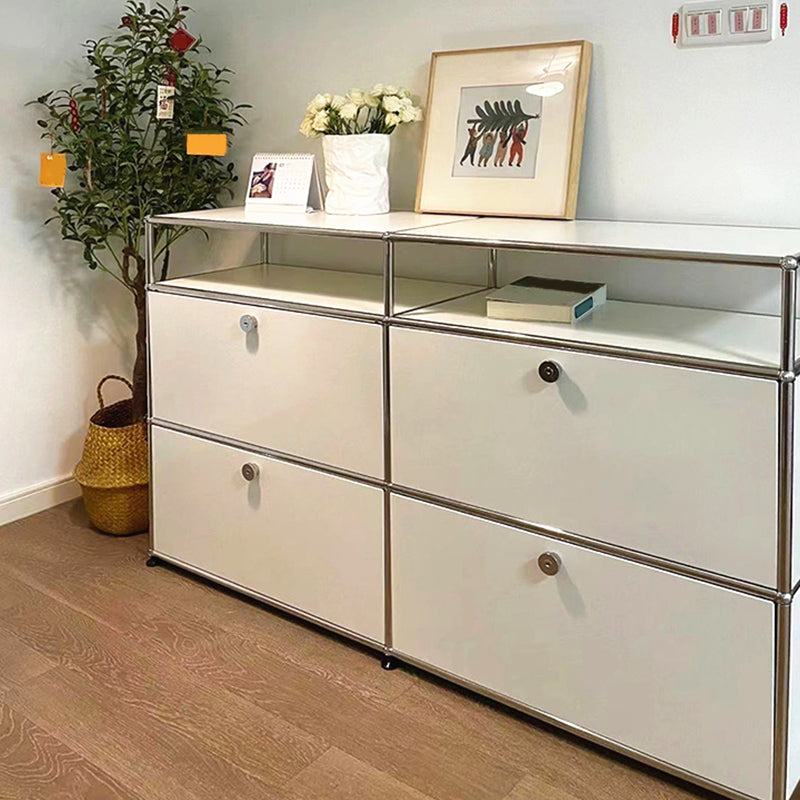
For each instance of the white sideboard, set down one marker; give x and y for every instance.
(590, 523)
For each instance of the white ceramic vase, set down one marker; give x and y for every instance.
(356, 171)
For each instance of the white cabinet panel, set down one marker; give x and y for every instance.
(673, 462)
(305, 538)
(298, 383)
(670, 666)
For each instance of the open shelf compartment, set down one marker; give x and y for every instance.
(692, 333)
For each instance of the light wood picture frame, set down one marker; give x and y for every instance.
(504, 130)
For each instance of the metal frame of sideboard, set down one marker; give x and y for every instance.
(784, 375)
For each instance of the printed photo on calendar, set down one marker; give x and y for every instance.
(262, 180)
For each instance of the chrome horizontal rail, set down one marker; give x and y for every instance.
(277, 305)
(597, 250)
(551, 532)
(596, 545)
(572, 728)
(627, 353)
(271, 601)
(402, 320)
(256, 226)
(267, 452)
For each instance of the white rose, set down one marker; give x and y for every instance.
(306, 126)
(371, 99)
(404, 93)
(338, 100)
(348, 111)
(392, 103)
(379, 89)
(408, 114)
(390, 90)
(319, 102)
(392, 120)
(320, 121)
(357, 96)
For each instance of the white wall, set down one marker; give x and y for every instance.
(705, 135)
(681, 135)
(61, 327)
(696, 136)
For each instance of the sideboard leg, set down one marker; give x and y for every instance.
(152, 561)
(389, 662)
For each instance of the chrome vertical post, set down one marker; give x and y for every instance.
(788, 356)
(780, 760)
(388, 299)
(149, 252)
(492, 268)
(388, 277)
(783, 608)
(264, 247)
(150, 272)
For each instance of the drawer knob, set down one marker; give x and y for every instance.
(250, 472)
(248, 323)
(549, 371)
(550, 563)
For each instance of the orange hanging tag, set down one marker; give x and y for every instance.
(52, 170)
(206, 143)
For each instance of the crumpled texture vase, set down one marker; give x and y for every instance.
(356, 171)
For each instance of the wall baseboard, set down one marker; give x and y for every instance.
(37, 498)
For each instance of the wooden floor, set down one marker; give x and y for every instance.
(122, 682)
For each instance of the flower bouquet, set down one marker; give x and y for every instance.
(356, 129)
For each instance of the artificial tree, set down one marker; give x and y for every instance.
(128, 165)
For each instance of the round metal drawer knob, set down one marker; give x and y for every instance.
(549, 371)
(550, 563)
(250, 472)
(248, 323)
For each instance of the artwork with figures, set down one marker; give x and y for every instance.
(513, 115)
(498, 131)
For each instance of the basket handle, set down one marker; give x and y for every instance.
(100, 400)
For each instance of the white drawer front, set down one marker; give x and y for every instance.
(308, 539)
(672, 667)
(300, 384)
(673, 462)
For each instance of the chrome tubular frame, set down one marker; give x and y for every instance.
(271, 601)
(783, 613)
(388, 288)
(613, 351)
(781, 595)
(589, 249)
(264, 246)
(492, 269)
(560, 535)
(150, 277)
(576, 730)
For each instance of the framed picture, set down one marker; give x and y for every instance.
(504, 130)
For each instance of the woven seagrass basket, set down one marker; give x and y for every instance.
(113, 471)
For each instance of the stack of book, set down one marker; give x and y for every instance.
(545, 300)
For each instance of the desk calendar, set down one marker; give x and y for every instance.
(283, 182)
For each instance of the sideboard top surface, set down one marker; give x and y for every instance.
(721, 243)
(370, 226)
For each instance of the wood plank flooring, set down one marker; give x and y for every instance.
(119, 682)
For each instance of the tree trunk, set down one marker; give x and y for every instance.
(140, 365)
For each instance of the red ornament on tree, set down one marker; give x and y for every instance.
(127, 22)
(74, 120)
(171, 77)
(181, 40)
